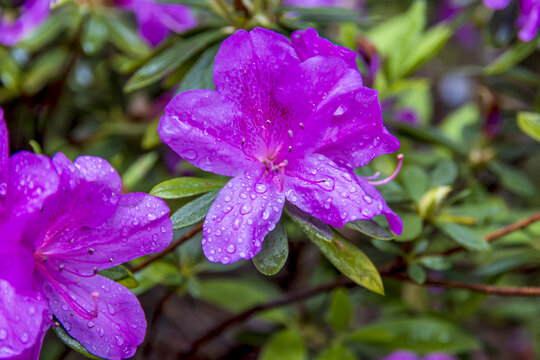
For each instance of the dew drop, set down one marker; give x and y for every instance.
(231, 248)
(24, 337)
(111, 309)
(119, 340)
(3, 334)
(368, 199)
(260, 188)
(151, 217)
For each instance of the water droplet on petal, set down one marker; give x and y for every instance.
(119, 340)
(3, 334)
(111, 309)
(24, 337)
(368, 199)
(260, 188)
(231, 248)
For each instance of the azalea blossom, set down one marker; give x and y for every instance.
(61, 223)
(528, 21)
(157, 20)
(14, 28)
(287, 121)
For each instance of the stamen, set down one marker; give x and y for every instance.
(374, 176)
(290, 133)
(302, 126)
(290, 148)
(391, 177)
(78, 308)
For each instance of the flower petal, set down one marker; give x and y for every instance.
(247, 66)
(21, 319)
(314, 90)
(330, 193)
(119, 326)
(244, 212)
(151, 28)
(140, 226)
(308, 44)
(358, 135)
(531, 22)
(4, 154)
(32, 179)
(496, 4)
(203, 128)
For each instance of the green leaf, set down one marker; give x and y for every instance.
(186, 186)
(421, 335)
(274, 251)
(236, 295)
(324, 15)
(445, 173)
(10, 72)
(312, 227)
(428, 135)
(139, 169)
(529, 123)
(194, 211)
(340, 311)
(439, 263)
(371, 229)
(171, 58)
(125, 38)
(46, 68)
(352, 262)
(387, 247)
(412, 227)
(417, 273)
(513, 179)
(71, 342)
(429, 44)
(430, 204)
(195, 3)
(121, 275)
(94, 35)
(511, 57)
(464, 236)
(284, 345)
(200, 76)
(336, 352)
(414, 180)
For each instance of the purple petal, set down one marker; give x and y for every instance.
(402, 355)
(21, 319)
(244, 212)
(358, 135)
(333, 194)
(88, 194)
(4, 153)
(176, 17)
(140, 226)
(152, 29)
(530, 20)
(32, 179)
(117, 324)
(203, 128)
(439, 356)
(34, 12)
(246, 70)
(314, 90)
(496, 4)
(308, 44)
(33, 352)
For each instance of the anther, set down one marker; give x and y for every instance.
(268, 122)
(111, 260)
(290, 133)
(71, 241)
(61, 267)
(243, 141)
(95, 270)
(91, 251)
(290, 148)
(391, 177)
(302, 126)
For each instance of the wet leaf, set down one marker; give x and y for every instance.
(186, 186)
(274, 251)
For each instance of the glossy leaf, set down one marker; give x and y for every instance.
(274, 251)
(194, 211)
(336, 352)
(71, 342)
(171, 58)
(416, 273)
(186, 186)
(125, 38)
(464, 236)
(95, 35)
(312, 227)
(200, 76)
(511, 57)
(46, 68)
(371, 229)
(121, 275)
(513, 179)
(340, 310)
(284, 345)
(529, 123)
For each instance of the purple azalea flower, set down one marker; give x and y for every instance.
(52, 256)
(157, 20)
(288, 121)
(529, 20)
(13, 30)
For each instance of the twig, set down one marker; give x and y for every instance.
(305, 294)
(281, 301)
(171, 248)
(488, 289)
(518, 225)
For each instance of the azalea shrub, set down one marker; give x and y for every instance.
(269, 179)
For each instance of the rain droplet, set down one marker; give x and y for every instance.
(119, 340)
(260, 188)
(231, 248)
(24, 337)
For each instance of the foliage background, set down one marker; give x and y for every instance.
(460, 92)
